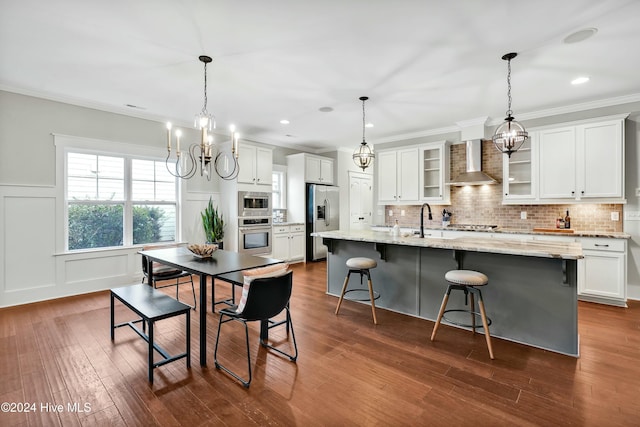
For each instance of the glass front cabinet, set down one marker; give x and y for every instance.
(519, 177)
(434, 172)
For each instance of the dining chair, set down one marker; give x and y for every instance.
(164, 273)
(266, 298)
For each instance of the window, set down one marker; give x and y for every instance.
(279, 187)
(118, 201)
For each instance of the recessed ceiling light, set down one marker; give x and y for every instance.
(284, 122)
(579, 80)
(369, 125)
(325, 109)
(581, 35)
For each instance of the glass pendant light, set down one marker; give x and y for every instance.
(362, 155)
(510, 135)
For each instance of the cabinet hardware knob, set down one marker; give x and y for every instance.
(573, 192)
(582, 192)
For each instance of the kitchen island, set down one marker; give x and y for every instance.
(531, 296)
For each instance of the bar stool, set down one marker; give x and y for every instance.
(362, 266)
(466, 281)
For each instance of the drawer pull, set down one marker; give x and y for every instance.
(603, 246)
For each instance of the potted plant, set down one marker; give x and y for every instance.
(213, 224)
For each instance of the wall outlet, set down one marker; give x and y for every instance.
(402, 212)
(615, 216)
(380, 212)
(523, 215)
(632, 215)
(390, 212)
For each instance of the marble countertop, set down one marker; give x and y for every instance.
(535, 248)
(507, 230)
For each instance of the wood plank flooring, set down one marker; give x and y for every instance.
(349, 371)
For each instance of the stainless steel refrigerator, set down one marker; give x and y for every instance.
(323, 214)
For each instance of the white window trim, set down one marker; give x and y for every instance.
(282, 169)
(64, 144)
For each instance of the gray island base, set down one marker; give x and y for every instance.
(531, 297)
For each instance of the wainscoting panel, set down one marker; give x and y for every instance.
(79, 271)
(29, 242)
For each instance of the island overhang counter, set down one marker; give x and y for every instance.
(531, 296)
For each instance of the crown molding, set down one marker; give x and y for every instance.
(574, 108)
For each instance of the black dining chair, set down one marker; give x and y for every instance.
(267, 297)
(164, 273)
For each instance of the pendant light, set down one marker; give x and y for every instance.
(362, 155)
(510, 135)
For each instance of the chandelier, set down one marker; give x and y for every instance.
(200, 155)
(363, 156)
(510, 135)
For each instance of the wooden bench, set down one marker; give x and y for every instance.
(151, 305)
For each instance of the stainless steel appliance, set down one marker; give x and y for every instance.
(323, 214)
(254, 203)
(254, 235)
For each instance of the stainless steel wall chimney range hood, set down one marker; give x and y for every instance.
(473, 174)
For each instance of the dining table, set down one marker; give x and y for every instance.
(219, 263)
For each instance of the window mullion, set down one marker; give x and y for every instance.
(128, 205)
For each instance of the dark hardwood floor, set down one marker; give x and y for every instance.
(349, 372)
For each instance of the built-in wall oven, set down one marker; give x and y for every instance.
(254, 235)
(254, 203)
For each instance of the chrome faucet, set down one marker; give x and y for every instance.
(422, 218)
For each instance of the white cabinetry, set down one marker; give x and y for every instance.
(318, 170)
(585, 161)
(602, 273)
(256, 165)
(601, 149)
(288, 242)
(398, 176)
(434, 172)
(557, 163)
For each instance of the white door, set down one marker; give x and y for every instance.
(360, 201)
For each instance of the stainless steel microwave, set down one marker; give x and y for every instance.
(254, 203)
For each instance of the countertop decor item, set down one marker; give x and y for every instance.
(225, 164)
(510, 135)
(202, 251)
(363, 156)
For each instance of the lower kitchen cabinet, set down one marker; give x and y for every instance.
(288, 242)
(602, 272)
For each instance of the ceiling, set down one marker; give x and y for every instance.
(425, 65)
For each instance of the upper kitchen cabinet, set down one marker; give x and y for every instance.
(434, 172)
(585, 161)
(518, 179)
(318, 170)
(575, 162)
(398, 176)
(256, 166)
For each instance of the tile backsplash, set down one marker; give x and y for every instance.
(483, 204)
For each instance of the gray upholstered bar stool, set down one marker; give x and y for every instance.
(467, 281)
(361, 266)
